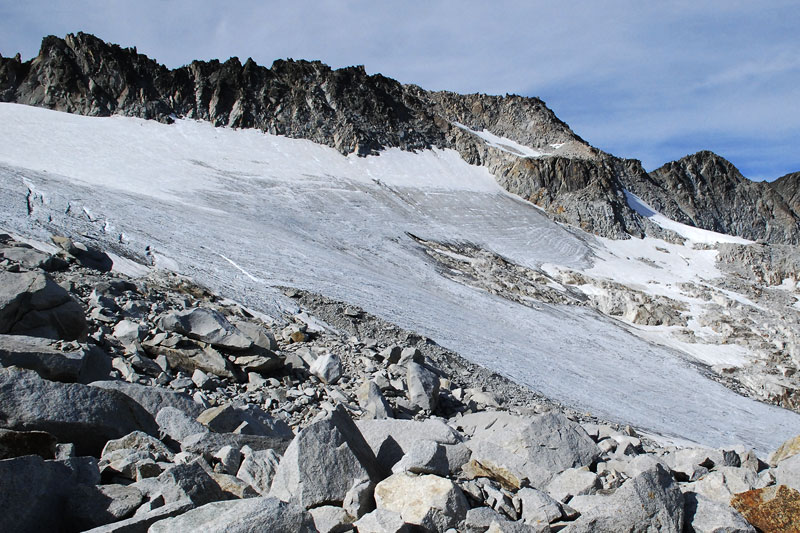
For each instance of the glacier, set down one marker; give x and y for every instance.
(247, 213)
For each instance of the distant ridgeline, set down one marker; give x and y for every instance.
(354, 112)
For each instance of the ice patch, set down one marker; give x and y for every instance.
(688, 232)
(503, 143)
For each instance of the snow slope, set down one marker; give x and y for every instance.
(244, 212)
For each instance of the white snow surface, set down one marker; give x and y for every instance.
(244, 212)
(691, 233)
(505, 144)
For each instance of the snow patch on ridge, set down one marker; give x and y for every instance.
(505, 144)
(691, 233)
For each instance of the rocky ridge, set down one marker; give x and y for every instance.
(172, 409)
(354, 112)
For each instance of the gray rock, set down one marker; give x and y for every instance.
(229, 419)
(651, 501)
(189, 481)
(33, 304)
(33, 493)
(392, 353)
(86, 416)
(230, 459)
(424, 457)
(382, 521)
(333, 446)
(95, 506)
(390, 439)
(83, 365)
(206, 325)
(358, 501)
(142, 442)
(139, 523)
(259, 335)
(431, 502)
(723, 483)
(538, 507)
(788, 472)
(30, 258)
(153, 399)
(507, 526)
(128, 332)
(479, 519)
(190, 356)
(410, 355)
(423, 387)
(573, 482)
(327, 367)
(240, 516)
(457, 456)
(19, 443)
(331, 519)
(207, 443)
(177, 425)
(704, 515)
(258, 470)
(511, 448)
(373, 402)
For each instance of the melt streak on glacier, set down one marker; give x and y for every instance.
(244, 212)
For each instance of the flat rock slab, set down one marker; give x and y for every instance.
(86, 416)
(390, 439)
(515, 448)
(20, 443)
(206, 325)
(153, 399)
(33, 304)
(84, 365)
(240, 516)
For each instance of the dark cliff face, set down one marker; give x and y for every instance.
(707, 191)
(354, 112)
(788, 187)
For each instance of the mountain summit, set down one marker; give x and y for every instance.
(527, 148)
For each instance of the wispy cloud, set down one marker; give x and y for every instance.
(647, 80)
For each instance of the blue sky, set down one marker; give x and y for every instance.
(648, 80)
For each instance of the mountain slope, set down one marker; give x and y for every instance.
(707, 191)
(246, 213)
(346, 109)
(527, 148)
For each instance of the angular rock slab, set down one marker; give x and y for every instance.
(33, 304)
(382, 521)
(704, 515)
(35, 353)
(323, 461)
(153, 399)
(240, 516)
(206, 325)
(21, 443)
(651, 501)
(534, 448)
(391, 439)
(772, 509)
(86, 416)
(431, 502)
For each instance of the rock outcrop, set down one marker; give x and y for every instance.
(707, 191)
